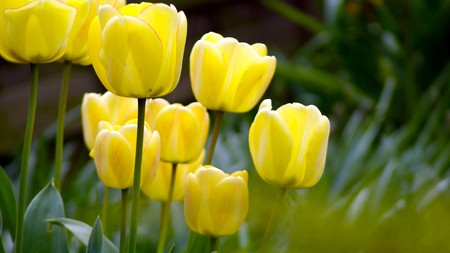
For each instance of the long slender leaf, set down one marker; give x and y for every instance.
(2, 248)
(82, 231)
(95, 243)
(7, 202)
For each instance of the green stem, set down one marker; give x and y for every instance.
(165, 213)
(271, 226)
(137, 175)
(105, 210)
(60, 128)
(26, 157)
(213, 243)
(215, 134)
(123, 221)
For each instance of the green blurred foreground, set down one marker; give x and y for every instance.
(381, 72)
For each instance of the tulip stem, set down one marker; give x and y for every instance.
(105, 209)
(165, 213)
(26, 157)
(215, 134)
(60, 128)
(213, 244)
(271, 226)
(137, 175)
(123, 221)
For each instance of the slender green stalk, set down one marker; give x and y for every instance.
(165, 213)
(219, 116)
(123, 221)
(137, 175)
(105, 210)
(271, 226)
(60, 128)
(26, 157)
(213, 244)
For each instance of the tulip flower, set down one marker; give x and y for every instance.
(77, 51)
(114, 152)
(39, 31)
(107, 107)
(215, 204)
(289, 145)
(227, 75)
(158, 189)
(137, 51)
(183, 129)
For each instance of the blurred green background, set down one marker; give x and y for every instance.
(380, 70)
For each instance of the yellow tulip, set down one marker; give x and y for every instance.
(39, 31)
(215, 203)
(114, 154)
(289, 145)
(77, 51)
(159, 188)
(183, 129)
(107, 107)
(138, 51)
(227, 75)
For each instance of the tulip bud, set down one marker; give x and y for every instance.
(158, 189)
(227, 75)
(114, 154)
(138, 51)
(39, 31)
(107, 107)
(289, 145)
(215, 204)
(183, 129)
(77, 51)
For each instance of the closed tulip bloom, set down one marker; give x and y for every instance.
(183, 129)
(215, 203)
(108, 107)
(158, 189)
(39, 31)
(289, 145)
(114, 154)
(227, 75)
(77, 51)
(138, 51)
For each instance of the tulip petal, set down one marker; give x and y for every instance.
(243, 174)
(316, 154)
(5, 42)
(134, 10)
(301, 122)
(106, 13)
(82, 7)
(150, 158)
(202, 118)
(31, 23)
(128, 43)
(260, 48)
(114, 159)
(158, 189)
(212, 37)
(154, 106)
(180, 45)
(192, 202)
(270, 146)
(254, 83)
(228, 206)
(181, 173)
(208, 72)
(122, 109)
(93, 110)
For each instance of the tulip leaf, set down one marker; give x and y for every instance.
(2, 249)
(197, 243)
(172, 249)
(82, 231)
(7, 202)
(95, 243)
(39, 236)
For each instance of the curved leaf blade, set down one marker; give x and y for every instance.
(95, 243)
(197, 243)
(38, 235)
(7, 202)
(82, 231)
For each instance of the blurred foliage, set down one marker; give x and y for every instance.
(380, 70)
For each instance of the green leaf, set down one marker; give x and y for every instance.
(39, 236)
(82, 231)
(197, 243)
(7, 202)
(95, 243)
(172, 249)
(2, 249)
